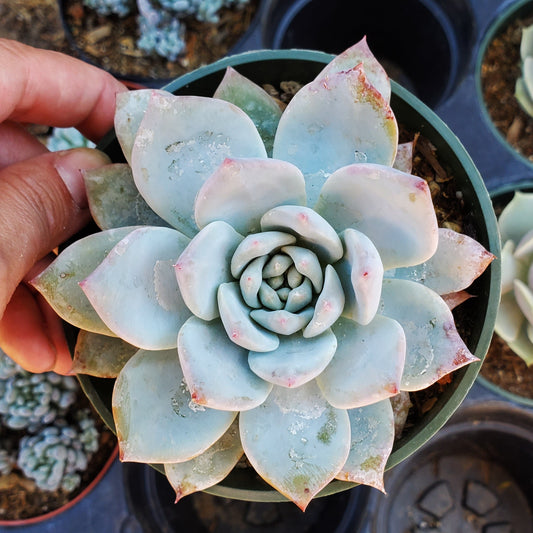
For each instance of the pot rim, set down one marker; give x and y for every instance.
(465, 376)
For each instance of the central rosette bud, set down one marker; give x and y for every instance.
(282, 287)
(284, 282)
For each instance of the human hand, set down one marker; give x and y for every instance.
(42, 195)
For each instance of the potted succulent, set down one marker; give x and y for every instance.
(151, 42)
(501, 73)
(54, 449)
(507, 369)
(306, 321)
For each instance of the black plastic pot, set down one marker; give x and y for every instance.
(427, 52)
(151, 498)
(475, 476)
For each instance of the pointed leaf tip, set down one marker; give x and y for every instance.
(296, 441)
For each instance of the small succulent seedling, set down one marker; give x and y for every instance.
(514, 322)
(36, 438)
(28, 401)
(57, 454)
(273, 279)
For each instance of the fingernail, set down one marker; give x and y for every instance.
(70, 164)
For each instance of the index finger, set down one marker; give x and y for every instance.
(46, 87)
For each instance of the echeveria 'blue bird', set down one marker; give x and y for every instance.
(276, 278)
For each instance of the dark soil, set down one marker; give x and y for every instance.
(500, 69)
(21, 499)
(34, 22)
(110, 42)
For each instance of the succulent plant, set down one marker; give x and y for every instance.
(281, 281)
(161, 22)
(111, 7)
(56, 455)
(28, 401)
(8, 367)
(514, 321)
(66, 138)
(524, 84)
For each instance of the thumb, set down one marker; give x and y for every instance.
(42, 203)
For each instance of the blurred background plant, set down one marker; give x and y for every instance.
(162, 22)
(43, 434)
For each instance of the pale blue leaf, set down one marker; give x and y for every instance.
(515, 219)
(216, 370)
(458, 261)
(299, 297)
(181, 141)
(114, 200)
(256, 245)
(522, 345)
(368, 364)
(524, 298)
(240, 191)
(296, 361)
(59, 282)
(372, 429)
(156, 420)
(100, 355)
(393, 209)
(135, 291)
(329, 304)
(307, 264)
(361, 53)
(334, 122)
(251, 280)
(509, 318)
(208, 468)
(129, 112)
(434, 347)
(204, 265)
(281, 321)
(269, 297)
(240, 328)
(361, 275)
(309, 227)
(296, 441)
(254, 101)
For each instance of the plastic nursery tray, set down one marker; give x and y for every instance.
(475, 475)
